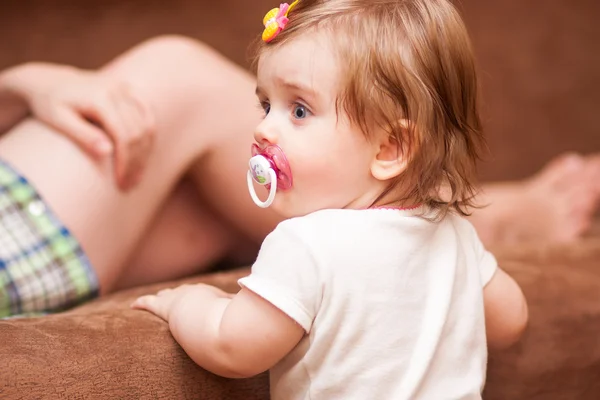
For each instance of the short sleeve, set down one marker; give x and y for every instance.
(487, 267)
(486, 261)
(286, 275)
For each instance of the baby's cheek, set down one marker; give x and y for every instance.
(313, 167)
(319, 179)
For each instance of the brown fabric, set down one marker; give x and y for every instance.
(538, 63)
(105, 350)
(559, 355)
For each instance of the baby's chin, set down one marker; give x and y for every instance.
(289, 206)
(286, 205)
(285, 209)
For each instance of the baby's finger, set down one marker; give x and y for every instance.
(143, 302)
(163, 292)
(90, 138)
(150, 303)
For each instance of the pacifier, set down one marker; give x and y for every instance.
(268, 167)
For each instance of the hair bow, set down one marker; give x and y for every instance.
(276, 20)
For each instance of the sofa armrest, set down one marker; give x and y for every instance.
(105, 350)
(558, 357)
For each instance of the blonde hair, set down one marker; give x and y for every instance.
(406, 60)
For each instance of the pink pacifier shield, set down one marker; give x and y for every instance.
(278, 162)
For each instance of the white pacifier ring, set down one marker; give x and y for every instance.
(261, 173)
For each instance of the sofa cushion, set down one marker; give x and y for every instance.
(559, 355)
(104, 349)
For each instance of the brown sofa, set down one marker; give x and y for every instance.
(539, 75)
(105, 350)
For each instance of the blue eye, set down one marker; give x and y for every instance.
(300, 112)
(265, 106)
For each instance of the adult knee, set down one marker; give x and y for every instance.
(177, 48)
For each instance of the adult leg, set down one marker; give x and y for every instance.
(186, 237)
(555, 205)
(218, 104)
(205, 111)
(227, 122)
(188, 108)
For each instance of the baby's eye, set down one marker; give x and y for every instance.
(266, 106)
(300, 111)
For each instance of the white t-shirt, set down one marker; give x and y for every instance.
(392, 305)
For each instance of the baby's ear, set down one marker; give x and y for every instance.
(391, 159)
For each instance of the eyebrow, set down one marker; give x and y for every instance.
(309, 92)
(299, 88)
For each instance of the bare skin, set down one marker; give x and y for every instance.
(192, 135)
(555, 205)
(146, 226)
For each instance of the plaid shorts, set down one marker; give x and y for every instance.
(42, 266)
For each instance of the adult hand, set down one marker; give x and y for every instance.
(104, 116)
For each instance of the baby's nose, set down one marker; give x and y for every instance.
(266, 132)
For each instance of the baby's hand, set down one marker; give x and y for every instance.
(167, 300)
(233, 336)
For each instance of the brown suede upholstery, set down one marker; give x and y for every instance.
(539, 70)
(559, 355)
(105, 350)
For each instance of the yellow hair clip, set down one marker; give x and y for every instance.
(276, 20)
